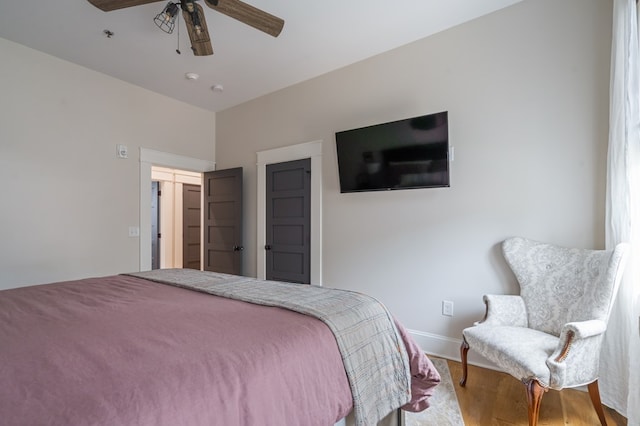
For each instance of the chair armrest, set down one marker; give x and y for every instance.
(503, 309)
(575, 361)
(584, 329)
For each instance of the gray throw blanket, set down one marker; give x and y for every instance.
(374, 355)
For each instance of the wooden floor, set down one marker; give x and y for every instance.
(491, 398)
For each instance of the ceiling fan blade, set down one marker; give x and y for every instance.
(109, 5)
(249, 15)
(200, 41)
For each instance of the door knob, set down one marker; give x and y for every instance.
(238, 248)
(267, 247)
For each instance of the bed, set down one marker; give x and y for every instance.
(184, 347)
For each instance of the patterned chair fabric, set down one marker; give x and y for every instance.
(561, 285)
(553, 330)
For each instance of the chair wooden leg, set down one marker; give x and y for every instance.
(535, 391)
(594, 393)
(464, 348)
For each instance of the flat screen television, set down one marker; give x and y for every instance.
(403, 154)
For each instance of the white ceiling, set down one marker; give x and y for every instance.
(318, 37)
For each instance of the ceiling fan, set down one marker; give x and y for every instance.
(194, 18)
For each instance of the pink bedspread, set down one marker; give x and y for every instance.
(126, 351)
(424, 376)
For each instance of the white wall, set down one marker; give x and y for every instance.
(527, 93)
(67, 201)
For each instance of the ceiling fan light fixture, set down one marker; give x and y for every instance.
(195, 20)
(166, 20)
(195, 17)
(188, 5)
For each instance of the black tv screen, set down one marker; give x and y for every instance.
(403, 154)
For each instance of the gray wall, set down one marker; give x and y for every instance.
(527, 93)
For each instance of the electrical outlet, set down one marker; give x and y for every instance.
(447, 308)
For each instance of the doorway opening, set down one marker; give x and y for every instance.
(176, 241)
(148, 159)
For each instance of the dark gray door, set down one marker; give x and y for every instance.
(288, 221)
(191, 226)
(223, 221)
(155, 223)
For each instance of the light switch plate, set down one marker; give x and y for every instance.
(134, 231)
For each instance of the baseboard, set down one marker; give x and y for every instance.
(448, 348)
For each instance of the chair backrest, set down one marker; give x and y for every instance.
(561, 285)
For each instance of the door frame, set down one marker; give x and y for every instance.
(152, 157)
(301, 151)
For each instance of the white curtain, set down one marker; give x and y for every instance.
(620, 361)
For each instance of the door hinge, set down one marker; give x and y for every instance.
(159, 235)
(159, 193)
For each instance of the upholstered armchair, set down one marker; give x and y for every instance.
(549, 336)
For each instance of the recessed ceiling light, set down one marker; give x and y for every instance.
(217, 88)
(191, 76)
